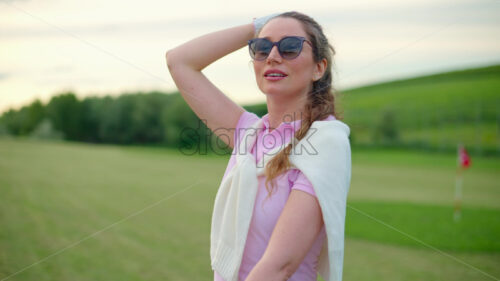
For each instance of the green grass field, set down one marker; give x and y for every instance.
(440, 109)
(73, 211)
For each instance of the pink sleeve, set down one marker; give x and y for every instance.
(330, 117)
(299, 181)
(246, 120)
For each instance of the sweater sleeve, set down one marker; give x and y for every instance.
(299, 181)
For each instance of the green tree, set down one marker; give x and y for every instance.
(386, 131)
(23, 121)
(64, 111)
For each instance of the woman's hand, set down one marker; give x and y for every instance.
(258, 23)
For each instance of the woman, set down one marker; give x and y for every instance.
(279, 215)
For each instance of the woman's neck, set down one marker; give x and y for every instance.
(287, 110)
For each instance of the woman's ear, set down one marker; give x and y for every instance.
(319, 69)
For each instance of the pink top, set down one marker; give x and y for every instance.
(266, 212)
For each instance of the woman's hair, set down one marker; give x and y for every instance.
(320, 100)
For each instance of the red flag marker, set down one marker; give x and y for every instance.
(463, 162)
(463, 157)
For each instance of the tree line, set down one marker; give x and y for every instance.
(165, 119)
(134, 118)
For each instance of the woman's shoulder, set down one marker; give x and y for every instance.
(247, 119)
(330, 118)
(337, 127)
(297, 180)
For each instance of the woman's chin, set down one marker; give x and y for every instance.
(274, 91)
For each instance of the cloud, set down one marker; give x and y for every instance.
(4, 75)
(10, 1)
(464, 13)
(63, 68)
(176, 25)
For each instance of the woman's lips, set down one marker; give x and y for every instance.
(274, 78)
(274, 75)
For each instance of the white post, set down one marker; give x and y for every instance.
(458, 196)
(458, 187)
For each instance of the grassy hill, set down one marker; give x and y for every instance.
(433, 112)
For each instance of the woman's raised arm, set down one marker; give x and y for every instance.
(185, 64)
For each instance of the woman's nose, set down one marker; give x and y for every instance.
(274, 54)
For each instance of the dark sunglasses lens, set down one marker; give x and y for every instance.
(290, 47)
(260, 48)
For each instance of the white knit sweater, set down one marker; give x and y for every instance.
(324, 156)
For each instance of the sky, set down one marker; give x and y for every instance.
(97, 48)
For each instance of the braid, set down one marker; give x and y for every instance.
(320, 100)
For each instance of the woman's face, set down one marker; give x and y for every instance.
(301, 71)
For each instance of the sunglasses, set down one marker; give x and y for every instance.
(289, 47)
